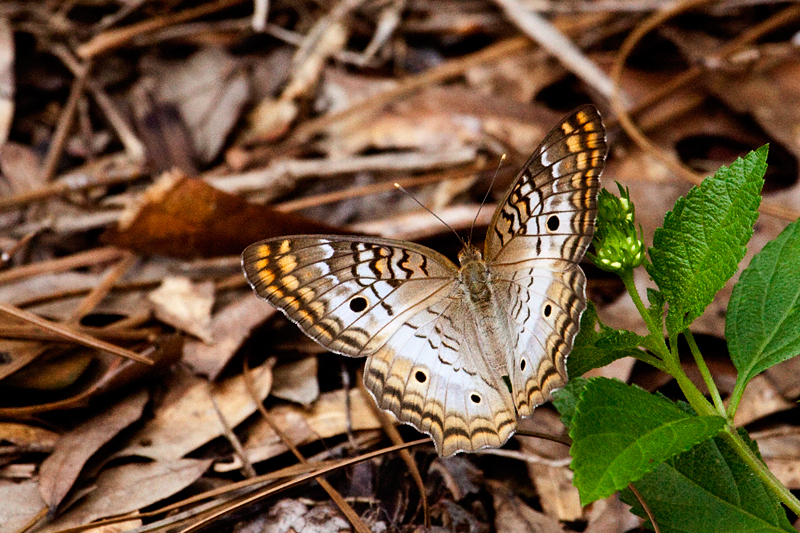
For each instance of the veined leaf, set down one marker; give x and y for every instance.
(708, 488)
(595, 349)
(763, 321)
(566, 399)
(620, 432)
(704, 238)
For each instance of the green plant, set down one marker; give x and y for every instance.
(695, 470)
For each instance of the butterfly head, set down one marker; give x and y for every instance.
(469, 254)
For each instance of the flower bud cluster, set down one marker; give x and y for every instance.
(618, 245)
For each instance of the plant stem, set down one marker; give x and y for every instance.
(671, 362)
(652, 327)
(757, 465)
(645, 357)
(705, 372)
(736, 396)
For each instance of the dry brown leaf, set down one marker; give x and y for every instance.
(610, 516)
(60, 470)
(187, 218)
(780, 448)
(784, 378)
(20, 166)
(229, 328)
(185, 305)
(327, 417)
(763, 89)
(19, 504)
(512, 514)
(28, 437)
(519, 77)
(110, 373)
(459, 475)
(551, 477)
(18, 354)
(55, 370)
(187, 418)
(296, 381)
(210, 89)
(271, 118)
(293, 516)
(128, 488)
(40, 287)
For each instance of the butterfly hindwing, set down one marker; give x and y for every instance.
(539, 234)
(430, 375)
(546, 306)
(348, 294)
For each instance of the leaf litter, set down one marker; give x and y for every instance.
(144, 145)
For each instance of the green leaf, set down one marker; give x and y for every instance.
(708, 488)
(621, 432)
(656, 308)
(566, 398)
(763, 321)
(597, 345)
(704, 238)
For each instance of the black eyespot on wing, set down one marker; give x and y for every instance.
(475, 398)
(358, 304)
(420, 376)
(553, 223)
(547, 310)
(522, 365)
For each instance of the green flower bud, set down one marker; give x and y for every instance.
(617, 244)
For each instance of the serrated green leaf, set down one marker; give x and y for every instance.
(763, 320)
(620, 432)
(566, 398)
(656, 309)
(708, 488)
(597, 345)
(704, 238)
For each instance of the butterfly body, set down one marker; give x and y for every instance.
(459, 352)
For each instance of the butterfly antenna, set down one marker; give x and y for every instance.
(486, 196)
(398, 186)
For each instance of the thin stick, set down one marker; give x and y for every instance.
(102, 289)
(116, 38)
(64, 124)
(69, 333)
(551, 39)
(62, 264)
(373, 188)
(644, 505)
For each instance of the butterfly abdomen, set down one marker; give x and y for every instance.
(489, 316)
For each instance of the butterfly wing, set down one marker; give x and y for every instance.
(538, 235)
(430, 375)
(348, 294)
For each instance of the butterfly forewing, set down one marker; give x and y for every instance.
(538, 235)
(349, 294)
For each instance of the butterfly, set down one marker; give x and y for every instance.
(458, 352)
